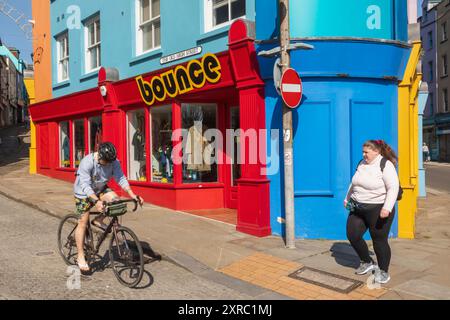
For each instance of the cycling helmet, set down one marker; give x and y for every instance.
(107, 152)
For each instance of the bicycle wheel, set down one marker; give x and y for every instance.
(66, 239)
(127, 257)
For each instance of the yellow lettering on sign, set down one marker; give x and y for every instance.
(180, 80)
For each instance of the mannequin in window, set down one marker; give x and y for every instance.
(139, 145)
(66, 151)
(196, 144)
(98, 136)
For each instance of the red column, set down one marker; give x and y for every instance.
(113, 119)
(253, 187)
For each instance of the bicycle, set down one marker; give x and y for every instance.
(125, 251)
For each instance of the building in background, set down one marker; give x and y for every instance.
(13, 96)
(142, 72)
(28, 77)
(442, 117)
(435, 23)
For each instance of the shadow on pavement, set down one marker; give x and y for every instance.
(15, 144)
(344, 254)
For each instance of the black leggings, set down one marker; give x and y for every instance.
(369, 218)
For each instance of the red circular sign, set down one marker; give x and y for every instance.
(291, 88)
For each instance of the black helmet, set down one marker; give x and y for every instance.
(107, 152)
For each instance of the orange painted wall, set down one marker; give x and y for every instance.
(42, 50)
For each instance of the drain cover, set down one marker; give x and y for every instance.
(326, 280)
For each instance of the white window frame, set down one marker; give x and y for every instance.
(89, 48)
(62, 40)
(209, 16)
(140, 28)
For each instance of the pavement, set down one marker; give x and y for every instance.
(262, 266)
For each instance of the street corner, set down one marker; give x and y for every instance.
(277, 275)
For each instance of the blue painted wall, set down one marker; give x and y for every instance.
(336, 116)
(350, 95)
(182, 27)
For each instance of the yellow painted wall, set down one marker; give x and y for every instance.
(42, 64)
(408, 135)
(29, 85)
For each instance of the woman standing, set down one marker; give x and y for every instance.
(371, 199)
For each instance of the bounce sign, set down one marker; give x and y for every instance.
(180, 80)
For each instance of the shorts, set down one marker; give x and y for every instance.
(84, 205)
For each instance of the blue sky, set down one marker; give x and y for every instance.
(12, 35)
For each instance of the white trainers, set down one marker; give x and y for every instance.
(382, 276)
(365, 267)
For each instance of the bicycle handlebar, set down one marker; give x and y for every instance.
(123, 201)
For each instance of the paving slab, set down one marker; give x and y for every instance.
(425, 289)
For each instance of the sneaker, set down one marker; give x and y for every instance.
(365, 267)
(382, 276)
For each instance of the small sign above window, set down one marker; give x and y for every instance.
(180, 55)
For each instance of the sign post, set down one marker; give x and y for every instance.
(285, 40)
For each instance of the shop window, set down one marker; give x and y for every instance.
(62, 43)
(162, 164)
(221, 12)
(136, 146)
(198, 164)
(149, 25)
(95, 133)
(93, 44)
(64, 144)
(79, 143)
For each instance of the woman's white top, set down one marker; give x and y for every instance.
(370, 185)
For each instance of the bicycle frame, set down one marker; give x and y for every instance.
(112, 227)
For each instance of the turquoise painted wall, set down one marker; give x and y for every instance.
(182, 27)
(349, 18)
(380, 19)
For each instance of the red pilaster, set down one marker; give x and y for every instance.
(113, 124)
(254, 215)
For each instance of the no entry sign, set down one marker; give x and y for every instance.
(291, 88)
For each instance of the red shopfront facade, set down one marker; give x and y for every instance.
(141, 126)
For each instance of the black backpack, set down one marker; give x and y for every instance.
(382, 166)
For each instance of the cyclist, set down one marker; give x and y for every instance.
(91, 189)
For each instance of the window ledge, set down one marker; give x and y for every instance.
(61, 84)
(444, 76)
(146, 56)
(213, 33)
(91, 75)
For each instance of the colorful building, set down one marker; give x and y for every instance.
(141, 73)
(13, 96)
(42, 65)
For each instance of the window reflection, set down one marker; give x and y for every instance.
(198, 150)
(136, 146)
(95, 133)
(79, 141)
(64, 142)
(162, 164)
